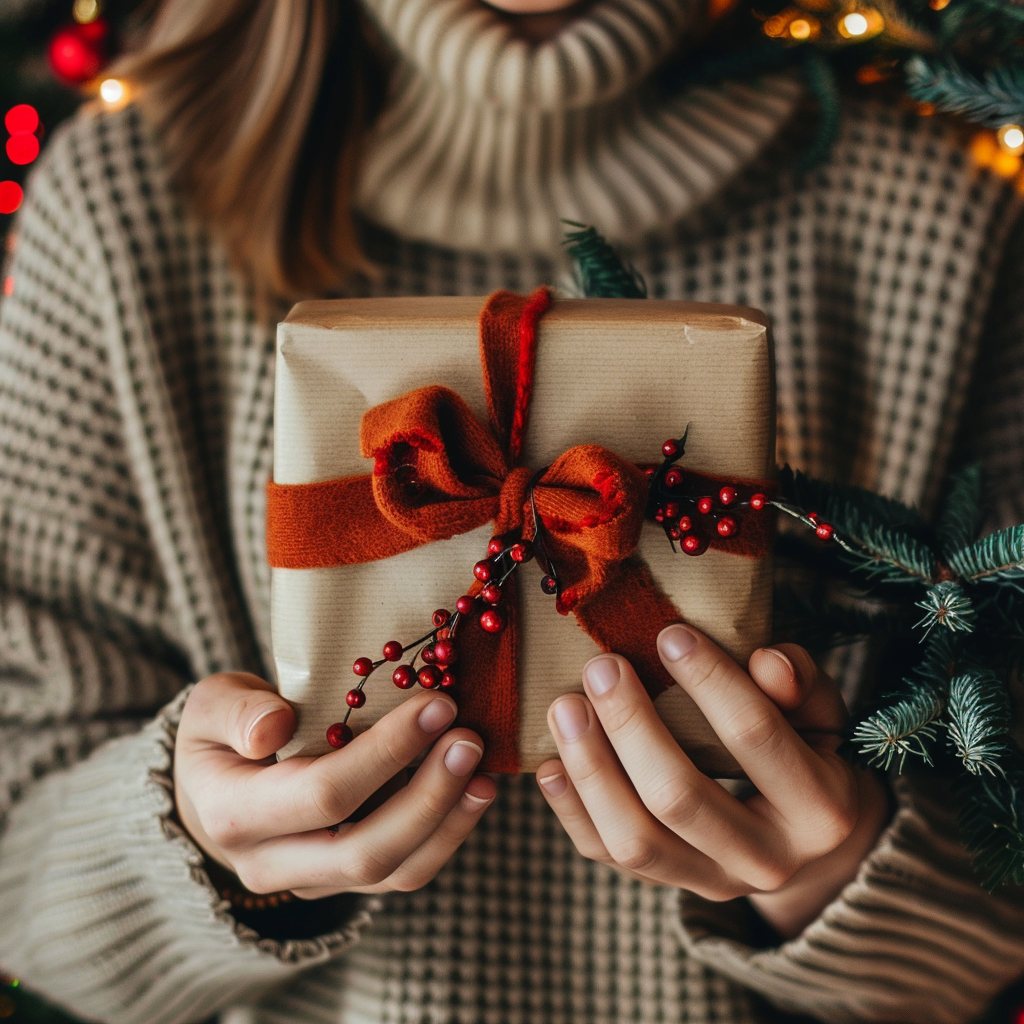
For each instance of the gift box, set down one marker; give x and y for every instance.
(515, 484)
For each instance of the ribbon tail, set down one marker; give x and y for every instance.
(334, 522)
(489, 698)
(625, 617)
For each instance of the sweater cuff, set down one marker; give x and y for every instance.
(108, 909)
(913, 938)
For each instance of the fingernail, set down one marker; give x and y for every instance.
(273, 710)
(784, 659)
(676, 642)
(462, 757)
(571, 718)
(555, 785)
(601, 674)
(473, 803)
(437, 714)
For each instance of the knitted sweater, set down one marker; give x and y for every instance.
(136, 402)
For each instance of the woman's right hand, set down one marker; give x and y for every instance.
(267, 821)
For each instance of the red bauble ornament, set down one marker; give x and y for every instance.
(78, 52)
(355, 698)
(726, 526)
(448, 678)
(704, 505)
(492, 620)
(670, 449)
(338, 735)
(362, 666)
(823, 531)
(465, 604)
(673, 478)
(691, 545)
(429, 676)
(495, 546)
(491, 593)
(393, 651)
(404, 676)
(445, 652)
(549, 585)
(482, 570)
(440, 617)
(727, 495)
(759, 500)
(521, 552)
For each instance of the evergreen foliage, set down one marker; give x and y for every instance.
(993, 100)
(600, 272)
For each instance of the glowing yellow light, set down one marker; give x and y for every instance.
(85, 11)
(938, 5)
(800, 28)
(983, 149)
(853, 25)
(112, 91)
(1011, 139)
(1006, 165)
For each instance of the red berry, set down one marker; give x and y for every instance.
(549, 585)
(355, 698)
(445, 652)
(482, 570)
(670, 449)
(448, 678)
(726, 526)
(491, 593)
(393, 651)
(727, 495)
(440, 617)
(813, 516)
(758, 500)
(429, 676)
(492, 620)
(522, 552)
(465, 604)
(362, 666)
(428, 654)
(674, 532)
(673, 478)
(704, 505)
(824, 531)
(659, 516)
(495, 546)
(672, 510)
(650, 471)
(338, 735)
(691, 544)
(685, 524)
(404, 676)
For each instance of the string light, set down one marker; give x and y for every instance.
(112, 91)
(938, 5)
(853, 25)
(85, 12)
(1011, 139)
(800, 29)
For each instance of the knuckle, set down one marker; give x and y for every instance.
(635, 853)
(366, 866)
(767, 877)
(327, 799)
(391, 751)
(705, 669)
(676, 803)
(224, 831)
(754, 731)
(623, 719)
(255, 877)
(409, 881)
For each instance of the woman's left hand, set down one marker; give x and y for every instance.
(629, 797)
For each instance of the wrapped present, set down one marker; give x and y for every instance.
(479, 493)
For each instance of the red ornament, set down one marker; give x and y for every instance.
(355, 698)
(491, 593)
(393, 651)
(11, 196)
(670, 449)
(492, 621)
(685, 524)
(691, 545)
(21, 120)
(522, 552)
(404, 676)
(759, 500)
(429, 676)
(672, 510)
(338, 735)
(549, 585)
(440, 617)
(429, 654)
(673, 478)
(704, 505)
(445, 652)
(727, 495)
(726, 526)
(362, 666)
(823, 531)
(482, 570)
(78, 52)
(495, 546)
(465, 604)
(448, 678)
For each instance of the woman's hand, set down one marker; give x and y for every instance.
(629, 797)
(267, 821)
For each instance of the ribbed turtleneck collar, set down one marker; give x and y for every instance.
(488, 140)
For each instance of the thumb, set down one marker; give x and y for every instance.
(240, 711)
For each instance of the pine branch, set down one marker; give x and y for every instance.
(824, 88)
(883, 554)
(997, 558)
(996, 100)
(946, 605)
(823, 625)
(991, 818)
(961, 514)
(979, 720)
(601, 272)
(906, 728)
(942, 659)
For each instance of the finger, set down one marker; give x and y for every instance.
(812, 793)
(366, 853)
(237, 710)
(693, 806)
(305, 793)
(563, 799)
(634, 839)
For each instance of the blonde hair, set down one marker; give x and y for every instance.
(260, 106)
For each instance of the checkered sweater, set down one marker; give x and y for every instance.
(136, 404)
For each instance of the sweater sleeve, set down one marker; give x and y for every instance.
(106, 907)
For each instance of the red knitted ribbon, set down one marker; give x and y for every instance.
(439, 472)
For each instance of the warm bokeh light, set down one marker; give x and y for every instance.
(800, 28)
(85, 11)
(938, 5)
(21, 120)
(22, 149)
(11, 196)
(112, 91)
(1011, 139)
(8, 285)
(853, 25)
